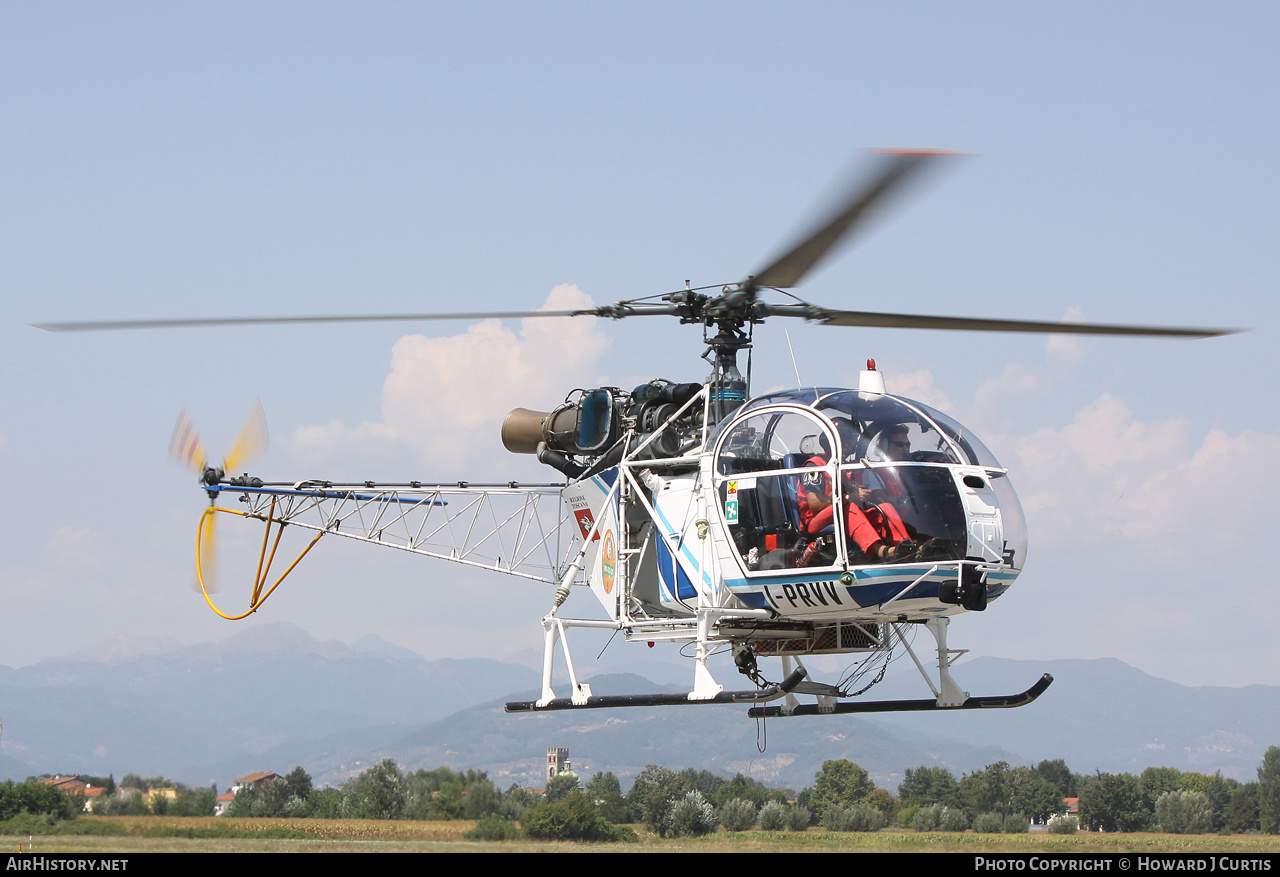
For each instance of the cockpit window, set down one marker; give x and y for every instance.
(885, 429)
(775, 440)
(975, 450)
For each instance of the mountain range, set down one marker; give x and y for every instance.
(272, 697)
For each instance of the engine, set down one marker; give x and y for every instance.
(592, 429)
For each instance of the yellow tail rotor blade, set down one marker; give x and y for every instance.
(251, 441)
(185, 445)
(207, 554)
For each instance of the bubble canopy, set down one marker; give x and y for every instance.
(861, 421)
(824, 478)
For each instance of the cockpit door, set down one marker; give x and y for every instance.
(982, 508)
(775, 473)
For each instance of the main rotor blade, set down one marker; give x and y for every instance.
(980, 324)
(103, 325)
(898, 168)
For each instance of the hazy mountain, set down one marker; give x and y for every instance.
(271, 697)
(194, 712)
(1105, 715)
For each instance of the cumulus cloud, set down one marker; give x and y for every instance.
(919, 385)
(1107, 476)
(1069, 348)
(996, 392)
(446, 397)
(73, 543)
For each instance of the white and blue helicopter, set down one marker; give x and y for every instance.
(808, 522)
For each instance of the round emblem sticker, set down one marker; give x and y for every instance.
(608, 561)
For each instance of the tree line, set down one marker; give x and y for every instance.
(999, 797)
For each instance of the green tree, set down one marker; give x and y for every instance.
(1155, 781)
(204, 802)
(884, 802)
(738, 815)
(1269, 792)
(923, 786)
(326, 803)
(559, 787)
(773, 816)
(516, 801)
(747, 789)
(571, 819)
(378, 793)
(652, 794)
(1056, 771)
(1181, 812)
(1113, 802)
(299, 782)
(1217, 789)
(1242, 812)
(840, 783)
(711, 786)
(603, 784)
(33, 796)
(483, 798)
(125, 802)
(1031, 795)
(937, 817)
(986, 790)
(605, 792)
(691, 816)
(274, 799)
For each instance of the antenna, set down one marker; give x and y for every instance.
(787, 332)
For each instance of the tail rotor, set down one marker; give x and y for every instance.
(186, 447)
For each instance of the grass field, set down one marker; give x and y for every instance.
(146, 834)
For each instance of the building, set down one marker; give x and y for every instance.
(557, 762)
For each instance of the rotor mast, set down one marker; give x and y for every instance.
(730, 316)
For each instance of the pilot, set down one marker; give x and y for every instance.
(878, 486)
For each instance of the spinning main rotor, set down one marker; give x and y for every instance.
(736, 305)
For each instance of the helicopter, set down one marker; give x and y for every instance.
(801, 523)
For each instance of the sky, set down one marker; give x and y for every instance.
(181, 159)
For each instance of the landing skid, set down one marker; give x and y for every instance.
(700, 630)
(997, 702)
(605, 701)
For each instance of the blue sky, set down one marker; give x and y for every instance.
(201, 160)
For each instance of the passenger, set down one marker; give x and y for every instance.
(815, 498)
(879, 533)
(816, 512)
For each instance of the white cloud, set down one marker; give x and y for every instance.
(994, 393)
(446, 397)
(75, 545)
(1108, 476)
(919, 386)
(1069, 348)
